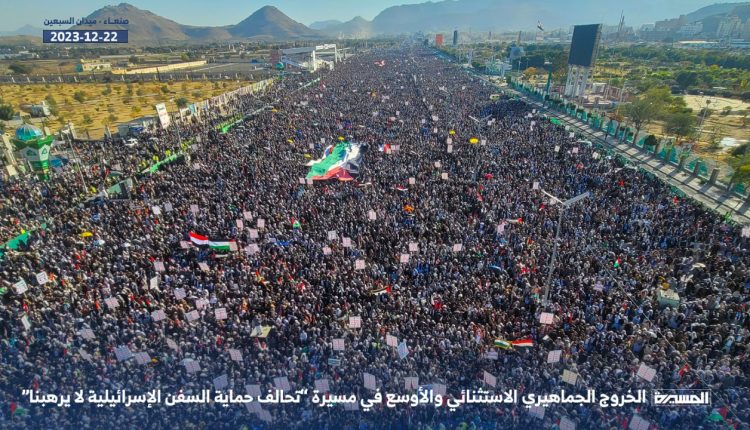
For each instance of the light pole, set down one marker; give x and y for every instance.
(565, 204)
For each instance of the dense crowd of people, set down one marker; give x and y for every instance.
(482, 170)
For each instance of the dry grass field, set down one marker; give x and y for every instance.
(113, 103)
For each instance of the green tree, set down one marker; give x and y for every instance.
(165, 89)
(6, 111)
(181, 102)
(50, 100)
(686, 79)
(680, 124)
(87, 119)
(134, 60)
(640, 113)
(79, 96)
(112, 118)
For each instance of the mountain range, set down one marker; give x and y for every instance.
(145, 27)
(268, 22)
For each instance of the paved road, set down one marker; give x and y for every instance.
(711, 196)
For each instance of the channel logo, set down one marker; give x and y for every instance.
(682, 397)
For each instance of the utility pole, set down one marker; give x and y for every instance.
(565, 204)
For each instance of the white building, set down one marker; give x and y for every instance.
(690, 29)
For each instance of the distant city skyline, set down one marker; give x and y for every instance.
(227, 12)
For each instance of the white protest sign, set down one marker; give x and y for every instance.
(332, 235)
(153, 283)
(240, 223)
(192, 315)
(159, 266)
(391, 340)
(20, 287)
(322, 386)
(158, 315)
(371, 215)
(184, 244)
(179, 293)
(557, 148)
(489, 379)
(233, 246)
(142, 358)
(450, 149)
(309, 181)
(235, 354)
(41, 278)
(253, 233)
(546, 318)
(567, 424)
(458, 247)
(201, 303)
(369, 381)
(123, 353)
(247, 215)
(220, 313)
(260, 223)
(491, 355)
(537, 412)
(359, 265)
(569, 377)
(192, 366)
(638, 423)
(168, 207)
(535, 186)
(554, 356)
(402, 350)
(444, 176)
(574, 150)
(203, 266)
(413, 247)
(338, 344)
(346, 242)
(404, 258)
(355, 322)
(156, 210)
(87, 333)
(326, 250)
(252, 249)
(412, 181)
(194, 209)
(646, 372)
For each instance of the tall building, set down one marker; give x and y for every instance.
(729, 27)
(455, 37)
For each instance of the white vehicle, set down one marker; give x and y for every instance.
(131, 142)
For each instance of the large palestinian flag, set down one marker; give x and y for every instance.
(341, 163)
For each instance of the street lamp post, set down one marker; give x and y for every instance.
(565, 204)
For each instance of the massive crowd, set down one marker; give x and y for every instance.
(616, 249)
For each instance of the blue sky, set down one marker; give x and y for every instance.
(16, 13)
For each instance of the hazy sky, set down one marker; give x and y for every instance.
(16, 13)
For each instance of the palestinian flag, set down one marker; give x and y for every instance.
(342, 162)
(384, 290)
(504, 344)
(523, 343)
(220, 245)
(198, 239)
(296, 224)
(401, 188)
